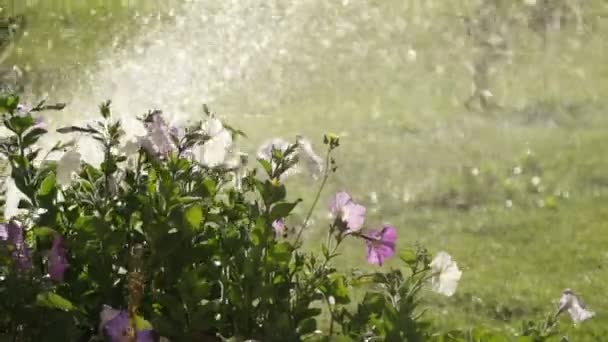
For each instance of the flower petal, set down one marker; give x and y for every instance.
(279, 227)
(445, 274)
(215, 150)
(372, 255)
(339, 201)
(307, 155)
(354, 216)
(115, 326)
(67, 165)
(265, 150)
(13, 197)
(58, 262)
(21, 252)
(116, 329)
(3, 232)
(389, 234)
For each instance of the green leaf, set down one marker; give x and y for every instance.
(498, 338)
(90, 224)
(340, 291)
(48, 185)
(21, 123)
(32, 136)
(104, 108)
(280, 253)
(76, 129)
(409, 257)
(271, 192)
(189, 199)
(142, 324)
(194, 216)
(54, 301)
(525, 339)
(282, 209)
(10, 103)
(307, 326)
(266, 165)
(44, 232)
(374, 302)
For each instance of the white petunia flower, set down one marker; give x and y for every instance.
(90, 151)
(215, 150)
(304, 153)
(237, 163)
(309, 157)
(66, 166)
(279, 144)
(445, 274)
(265, 150)
(158, 140)
(130, 147)
(13, 197)
(574, 305)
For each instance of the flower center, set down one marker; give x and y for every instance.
(344, 211)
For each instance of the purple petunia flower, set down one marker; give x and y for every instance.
(279, 227)
(348, 212)
(58, 262)
(13, 234)
(380, 244)
(115, 327)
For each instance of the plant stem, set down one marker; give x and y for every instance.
(317, 196)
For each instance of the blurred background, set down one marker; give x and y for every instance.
(478, 127)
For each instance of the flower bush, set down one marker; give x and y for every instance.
(173, 237)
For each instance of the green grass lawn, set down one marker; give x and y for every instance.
(407, 138)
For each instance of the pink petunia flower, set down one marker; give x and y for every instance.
(380, 244)
(351, 214)
(279, 227)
